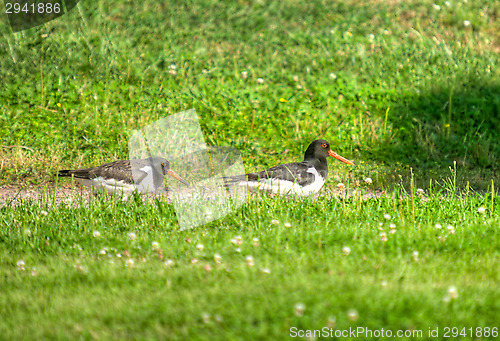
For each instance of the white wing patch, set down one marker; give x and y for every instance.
(280, 186)
(147, 184)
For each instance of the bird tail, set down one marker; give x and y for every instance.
(77, 173)
(233, 180)
(64, 173)
(237, 179)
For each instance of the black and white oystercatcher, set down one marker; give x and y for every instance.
(300, 178)
(125, 176)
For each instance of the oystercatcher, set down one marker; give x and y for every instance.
(300, 178)
(125, 176)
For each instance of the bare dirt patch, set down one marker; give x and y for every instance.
(13, 195)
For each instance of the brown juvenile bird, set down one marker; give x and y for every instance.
(125, 176)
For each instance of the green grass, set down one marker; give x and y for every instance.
(78, 293)
(414, 86)
(400, 87)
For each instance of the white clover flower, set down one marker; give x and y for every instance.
(383, 237)
(169, 263)
(44, 213)
(451, 229)
(420, 191)
(131, 236)
(266, 270)
(256, 242)
(371, 37)
(250, 261)
(332, 322)
(20, 265)
(217, 258)
(102, 252)
(295, 78)
(205, 318)
(199, 247)
(438, 226)
(155, 245)
(275, 222)
(244, 74)
(387, 216)
(392, 226)
(238, 250)
(333, 76)
(453, 292)
(346, 250)
(352, 314)
(172, 66)
(129, 263)
(96, 234)
(467, 23)
(299, 309)
(369, 181)
(288, 225)
(415, 256)
(80, 268)
(481, 210)
(447, 3)
(119, 255)
(194, 261)
(172, 72)
(340, 185)
(27, 232)
(436, 7)
(260, 80)
(386, 32)
(383, 283)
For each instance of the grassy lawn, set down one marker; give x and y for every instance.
(114, 270)
(392, 85)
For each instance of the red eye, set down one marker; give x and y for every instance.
(324, 145)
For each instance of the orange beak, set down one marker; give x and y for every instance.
(338, 157)
(175, 176)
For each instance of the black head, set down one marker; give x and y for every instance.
(164, 165)
(159, 163)
(320, 149)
